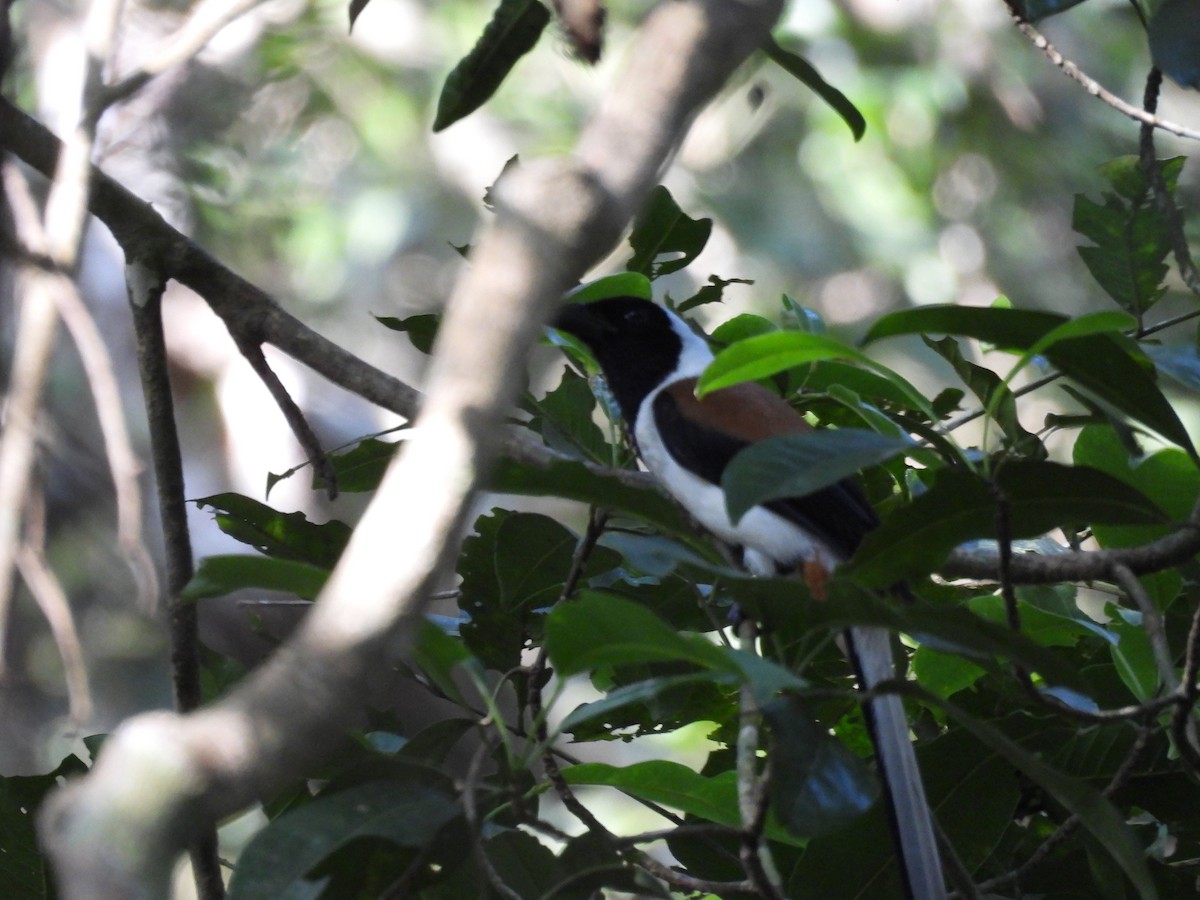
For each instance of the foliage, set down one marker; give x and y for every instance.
(622, 602)
(636, 607)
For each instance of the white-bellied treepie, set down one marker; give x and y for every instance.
(651, 360)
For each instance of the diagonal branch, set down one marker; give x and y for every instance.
(162, 777)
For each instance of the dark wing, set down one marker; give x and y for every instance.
(839, 515)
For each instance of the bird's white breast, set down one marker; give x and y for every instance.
(770, 542)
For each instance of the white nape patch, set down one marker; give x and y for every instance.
(770, 542)
(695, 355)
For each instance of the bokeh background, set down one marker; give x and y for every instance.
(301, 155)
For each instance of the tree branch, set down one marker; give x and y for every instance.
(1094, 87)
(163, 777)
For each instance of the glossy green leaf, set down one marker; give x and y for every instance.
(960, 507)
(281, 535)
(600, 629)
(761, 357)
(513, 31)
(622, 284)
(1109, 365)
(806, 73)
(944, 674)
(662, 227)
(747, 325)
(1169, 478)
(817, 785)
(275, 862)
(800, 464)
(1133, 657)
(217, 576)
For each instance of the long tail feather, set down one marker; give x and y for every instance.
(912, 824)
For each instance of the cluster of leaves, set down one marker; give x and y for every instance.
(638, 606)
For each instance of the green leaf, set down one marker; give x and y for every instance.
(960, 507)
(802, 69)
(713, 292)
(747, 325)
(1131, 238)
(275, 862)
(780, 604)
(361, 468)
(674, 785)
(217, 576)
(992, 392)
(563, 418)
(281, 535)
(622, 284)
(662, 227)
(439, 654)
(1109, 365)
(421, 329)
(1169, 478)
(24, 871)
(574, 481)
(973, 794)
(641, 693)
(513, 31)
(1133, 657)
(797, 465)
(944, 674)
(817, 785)
(600, 629)
(512, 569)
(761, 357)
(1096, 813)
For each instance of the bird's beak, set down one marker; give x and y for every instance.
(577, 320)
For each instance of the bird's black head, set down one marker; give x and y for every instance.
(638, 345)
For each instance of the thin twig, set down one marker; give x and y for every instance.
(1093, 87)
(1183, 722)
(751, 784)
(56, 608)
(145, 288)
(205, 20)
(301, 430)
(471, 815)
(123, 464)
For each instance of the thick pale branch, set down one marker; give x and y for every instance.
(161, 776)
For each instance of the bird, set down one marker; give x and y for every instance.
(651, 360)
